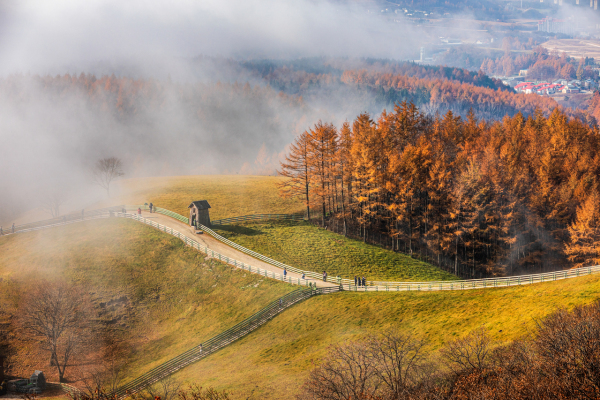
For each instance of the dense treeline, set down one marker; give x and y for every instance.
(382, 84)
(129, 97)
(475, 198)
(455, 96)
(296, 76)
(560, 361)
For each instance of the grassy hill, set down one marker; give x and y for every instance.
(173, 299)
(167, 298)
(272, 362)
(300, 245)
(163, 297)
(305, 246)
(228, 195)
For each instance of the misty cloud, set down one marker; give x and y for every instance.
(50, 138)
(68, 36)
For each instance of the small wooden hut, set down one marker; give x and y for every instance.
(199, 213)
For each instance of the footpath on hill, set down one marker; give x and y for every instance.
(225, 250)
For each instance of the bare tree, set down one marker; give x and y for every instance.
(56, 315)
(470, 352)
(51, 200)
(399, 360)
(165, 389)
(348, 372)
(104, 377)
(195, 392)
(107, 170)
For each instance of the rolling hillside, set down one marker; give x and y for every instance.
(157, 295)
(173, 299)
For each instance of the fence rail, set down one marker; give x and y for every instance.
(345, 284)
(258, 217)
(65, 219)
(213, 254)
(373, 286)
(219, 341)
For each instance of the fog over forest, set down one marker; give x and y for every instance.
(52, 137)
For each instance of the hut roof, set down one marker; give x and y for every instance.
(200, 205)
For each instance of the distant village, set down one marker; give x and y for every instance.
(520, 85)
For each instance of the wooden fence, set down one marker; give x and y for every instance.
(258, 217)
(223, 339)
(379, 286)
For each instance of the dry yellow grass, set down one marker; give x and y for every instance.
(228, 195)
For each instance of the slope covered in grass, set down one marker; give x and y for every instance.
(228, 195)
(308, 247)
(166, 298)
(272, 362)
(162, 296)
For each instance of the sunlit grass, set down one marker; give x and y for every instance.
(228, 195)
(308, 247)
(272, 362)
(176, 299)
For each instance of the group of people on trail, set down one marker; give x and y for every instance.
(358, 281)
(150, 206)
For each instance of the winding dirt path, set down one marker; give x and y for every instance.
(222, 248)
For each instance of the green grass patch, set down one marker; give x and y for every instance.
(310, 248)
(228, 195)
(162, 296)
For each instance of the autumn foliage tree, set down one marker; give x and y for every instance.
(476, 198)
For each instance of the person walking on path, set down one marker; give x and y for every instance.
(284, 273)
(13, 227)
(364, 281)
(151, 207)
(324, 276)
(355, 280)
(303, 275)
(280, 303)
(139, 211)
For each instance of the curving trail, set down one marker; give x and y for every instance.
(238, 256)
(234, 256)
(223, 249)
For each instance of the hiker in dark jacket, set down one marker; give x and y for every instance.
(151, 207)
(324, 276)
(364, 281)
(355, 280)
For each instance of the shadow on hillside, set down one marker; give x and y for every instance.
(240, 230)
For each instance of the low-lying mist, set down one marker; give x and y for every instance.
(158, 107)
(173, 89)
